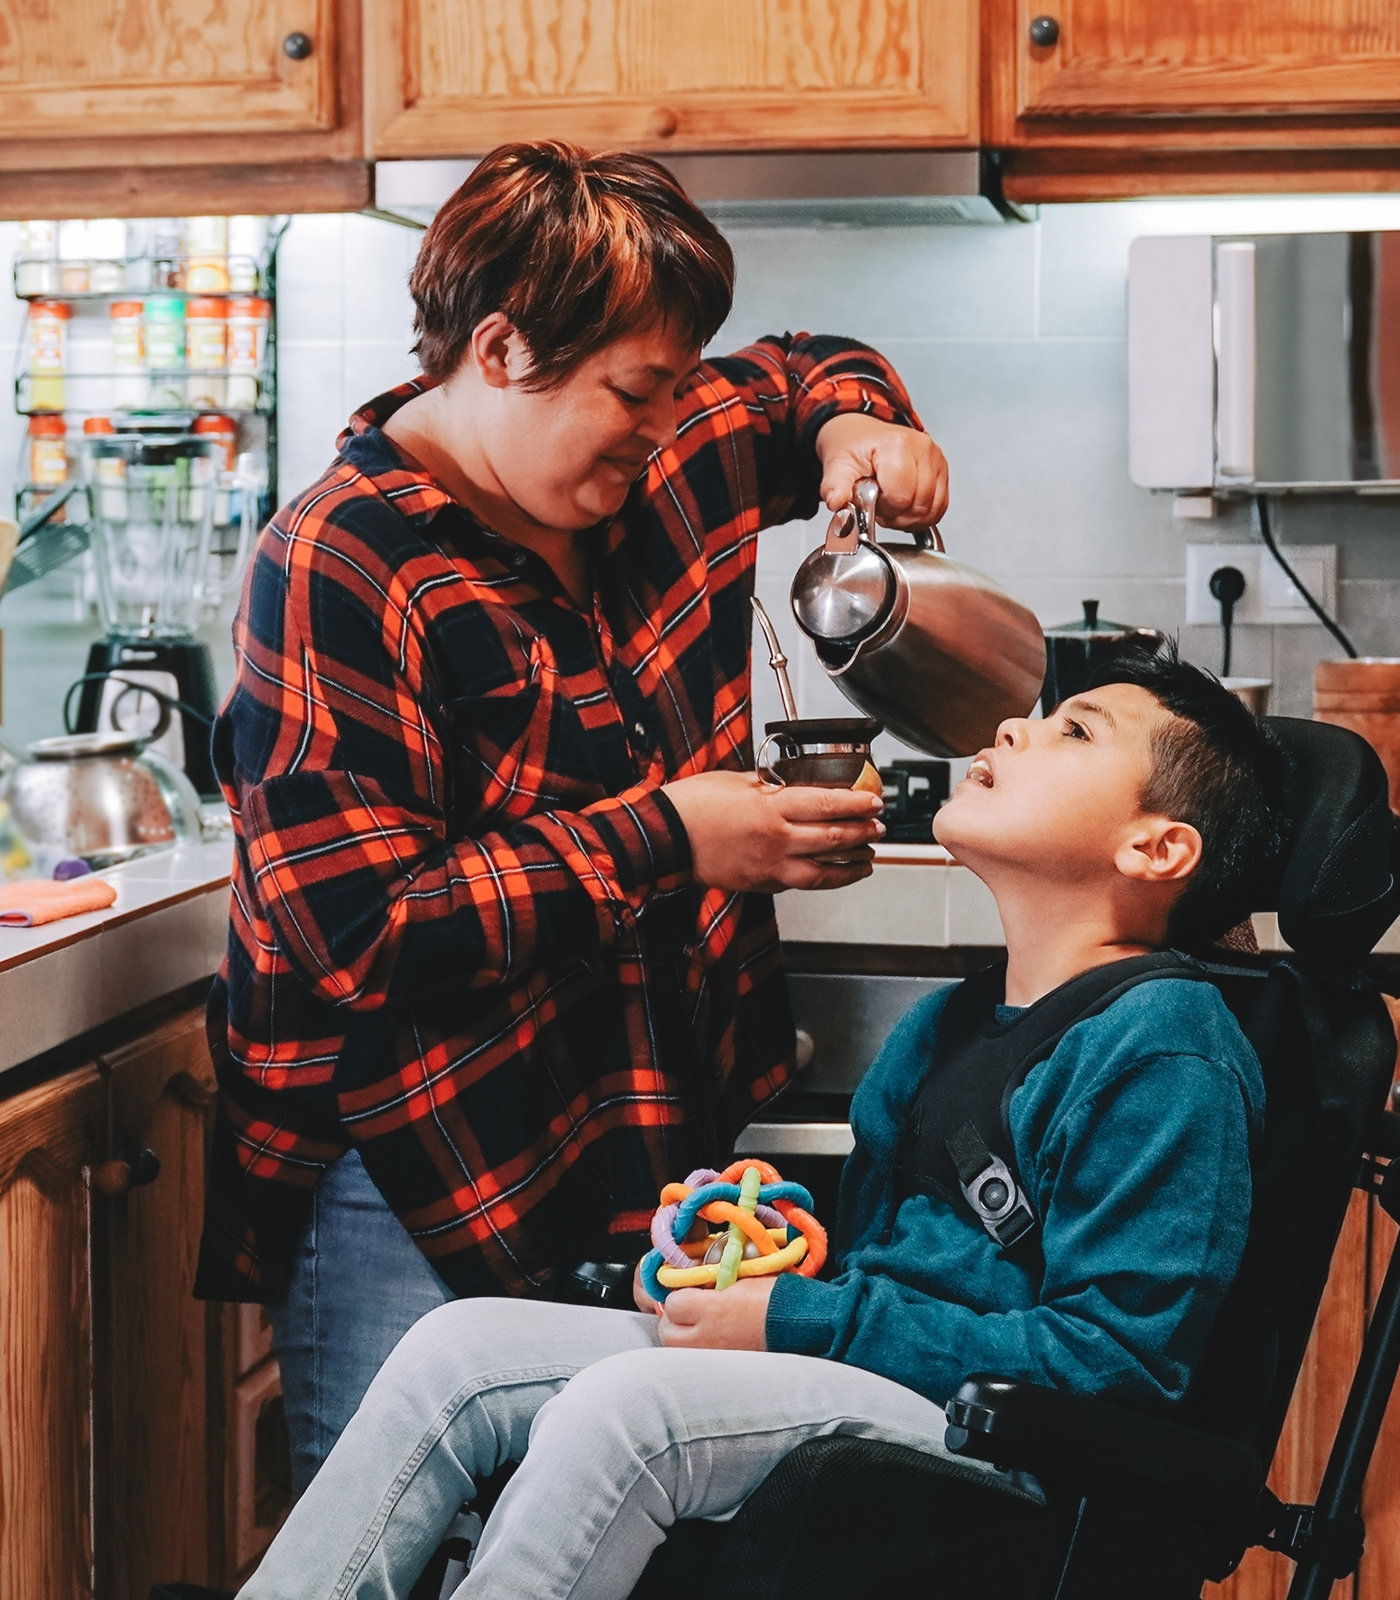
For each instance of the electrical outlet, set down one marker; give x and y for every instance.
(1269, 597)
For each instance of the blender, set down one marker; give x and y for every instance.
(169, 542)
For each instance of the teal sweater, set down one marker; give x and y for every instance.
(1132, 1140)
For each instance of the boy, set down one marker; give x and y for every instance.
(1135, 818)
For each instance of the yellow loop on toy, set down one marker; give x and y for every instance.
(727, 1211)
(702, 1277)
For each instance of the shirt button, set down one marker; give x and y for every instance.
(639, 729)
(518, 559)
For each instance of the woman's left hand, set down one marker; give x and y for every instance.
(718, 1319)
(912, 470)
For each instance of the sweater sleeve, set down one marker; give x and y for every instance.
(1143, 1188)
(769, 401)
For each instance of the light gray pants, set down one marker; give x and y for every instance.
(624, 1437)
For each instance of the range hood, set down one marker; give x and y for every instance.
(780, 186)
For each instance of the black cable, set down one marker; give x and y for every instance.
(167, 700)
(1266, 533)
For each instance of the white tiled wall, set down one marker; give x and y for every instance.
(1011, 342)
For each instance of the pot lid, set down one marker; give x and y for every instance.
(1099, 627)
(70, 746)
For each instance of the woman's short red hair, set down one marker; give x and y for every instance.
(576, 250)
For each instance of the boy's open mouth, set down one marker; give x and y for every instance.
(980, 771)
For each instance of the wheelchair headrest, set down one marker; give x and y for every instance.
(1335, 888)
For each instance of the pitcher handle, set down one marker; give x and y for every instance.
(864, 499)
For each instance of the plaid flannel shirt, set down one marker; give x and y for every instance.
(464, 936)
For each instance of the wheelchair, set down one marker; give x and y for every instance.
(1137, 1505)
(1140, 1505)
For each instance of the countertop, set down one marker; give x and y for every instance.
(169, 926)
(167, 929)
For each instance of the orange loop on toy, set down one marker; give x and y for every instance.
(674, 1193)
(811, 1230)
(734, 1172)
(726, 1211)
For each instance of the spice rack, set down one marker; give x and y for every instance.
(168, 339)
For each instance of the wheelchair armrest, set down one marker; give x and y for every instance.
(1084, 1444)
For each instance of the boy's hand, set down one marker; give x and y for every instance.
(912, 470)
(725, 1319)
(643, 1299)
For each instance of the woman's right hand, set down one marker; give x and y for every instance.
(749, 835)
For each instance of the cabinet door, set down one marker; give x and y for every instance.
(155, 1486)
(455, 77)
(48, 1136)
(1211, 58)
(89, 69)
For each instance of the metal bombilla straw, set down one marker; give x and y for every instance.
(776, 659)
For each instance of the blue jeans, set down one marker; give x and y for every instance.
(358, 1285)
(617, 1435)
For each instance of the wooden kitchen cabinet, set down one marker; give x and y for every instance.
(140, 1430)
(1134, 97)
(139, 107)
(50, 1136)
(455, 77)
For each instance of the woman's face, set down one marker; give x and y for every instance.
(567, 456)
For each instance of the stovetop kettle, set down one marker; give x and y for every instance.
(937, 651)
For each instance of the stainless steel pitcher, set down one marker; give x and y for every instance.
(938, 652)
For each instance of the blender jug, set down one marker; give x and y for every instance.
(158, 573)
(152, 529)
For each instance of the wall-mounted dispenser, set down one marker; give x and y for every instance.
(1269, 363)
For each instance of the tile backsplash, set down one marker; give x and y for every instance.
(1011, 341)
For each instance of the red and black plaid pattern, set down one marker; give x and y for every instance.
(464, 938)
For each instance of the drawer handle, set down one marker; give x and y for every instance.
(297, 46)
(1045, 31)
(115, 1178)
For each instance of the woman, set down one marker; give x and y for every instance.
(502, 959)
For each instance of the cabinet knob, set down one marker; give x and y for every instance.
(297, 46)
(1045, 31)
(663, 122)
(114, 1178)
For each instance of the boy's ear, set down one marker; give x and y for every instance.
(1159, 850)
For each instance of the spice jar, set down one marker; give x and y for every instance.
(129, 353)
(165, 350)
(36, 267)
(48, 451)
(167, 265)
(106, 244)
(47, 332)
(247, 244)
(248, 323)
(224, 432)
(206, 252)
(206, 332)
(73, 256)
(107, 471)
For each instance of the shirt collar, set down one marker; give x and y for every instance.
(412, 491)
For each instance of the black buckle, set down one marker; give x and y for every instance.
(1299, 1533)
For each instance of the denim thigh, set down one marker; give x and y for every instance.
(359, 1283)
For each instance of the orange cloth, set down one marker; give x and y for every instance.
(28, 905)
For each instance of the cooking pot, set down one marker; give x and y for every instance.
(101, 796)
(938, 652)
(1074, 650)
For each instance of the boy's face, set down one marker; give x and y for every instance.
(1062, 791)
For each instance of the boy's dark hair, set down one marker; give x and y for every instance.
(576, 249)
(1216, 766)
